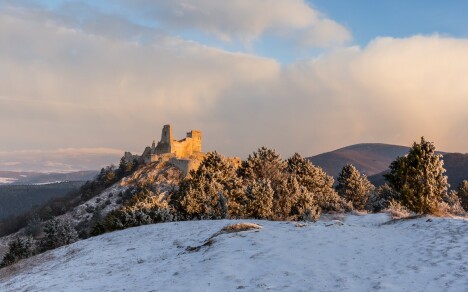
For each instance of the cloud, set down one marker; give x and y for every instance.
(69, 88)
(245, 20)
(59, 160)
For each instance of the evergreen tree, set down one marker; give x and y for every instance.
(19, 248)
(264, 164)
(212, 190)
(316, 181)
(57, 233)
(380, 199)
(419, 178)
(462, 191)
(260, 199)
(354, 187)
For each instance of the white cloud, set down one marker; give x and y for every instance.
(246, 20)
(58, 160)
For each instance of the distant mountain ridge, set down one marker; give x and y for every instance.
(368, 158)
(30, 178)
(373, 159)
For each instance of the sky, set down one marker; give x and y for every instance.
(83, 81)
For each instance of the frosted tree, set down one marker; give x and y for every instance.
(316, 181)
(212, 189)
(419, 178)
(19, 248)
(380, 198)
(462, 192)
(297, 202)
(57, 233)
(354, 187)
(260, 199)
(263, 164)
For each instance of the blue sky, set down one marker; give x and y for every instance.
(397, 18)
(85, 79)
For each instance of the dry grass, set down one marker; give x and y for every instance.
(24, 265)
(232, 228)
(239, 227)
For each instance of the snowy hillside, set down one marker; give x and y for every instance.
(359, 253)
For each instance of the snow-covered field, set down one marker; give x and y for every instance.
(359, 253)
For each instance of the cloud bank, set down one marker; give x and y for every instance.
(66, 84)
(245, 20)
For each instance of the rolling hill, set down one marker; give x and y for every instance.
(373, 159)
(368, 158)
(18, 199)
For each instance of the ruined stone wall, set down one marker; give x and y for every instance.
(184, 148)
(196, 137)
(185, 165)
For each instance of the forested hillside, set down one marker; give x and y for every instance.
(17, 199)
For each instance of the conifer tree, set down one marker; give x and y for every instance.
(19, 248)
(212, 189)
(263, 164)
(260, 199)
(381, 197)
(316, 181)
(57, 233)
(462, 192)
(354, 187)
(419, 178)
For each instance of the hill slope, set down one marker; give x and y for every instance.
(374, 160)
(18, 199)
(368, 158)
(358, 255)
(456, 165)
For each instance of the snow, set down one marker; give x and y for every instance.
(7, 180)
(48, 183)
(358, 253)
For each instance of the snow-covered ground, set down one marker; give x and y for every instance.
(359, 253)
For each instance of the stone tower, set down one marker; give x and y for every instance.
(164, 145)
(166, 135)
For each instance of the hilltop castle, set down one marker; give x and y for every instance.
(185, 148)
(186, 154)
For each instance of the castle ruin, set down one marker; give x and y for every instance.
(185, 154)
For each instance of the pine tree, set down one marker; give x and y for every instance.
(316, 181)
(263, 164)
(380, 198)
(462, 192)
(210, 191)
(19, 248)
(419, 178)
(57, 233)
(260, 199)
(354, 187)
